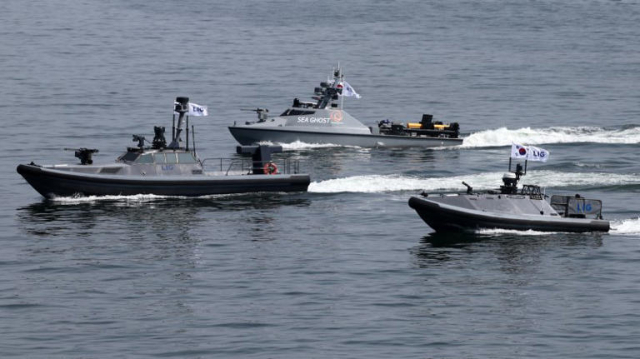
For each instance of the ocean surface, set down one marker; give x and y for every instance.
(346, 270)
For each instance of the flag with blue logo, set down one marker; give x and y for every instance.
(194, 109)
(529, 153)
(537, 154)
(197, 110)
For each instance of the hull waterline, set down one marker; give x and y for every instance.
(52, 183)
(248, 136)
(444, 218)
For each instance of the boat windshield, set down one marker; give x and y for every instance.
(159, 157)
(129, 157)
(294, 112)
(171, 158)
(186, 157)
(146, 158)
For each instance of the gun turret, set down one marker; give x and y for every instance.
(263, 113)
(84, 154)
(140, 140)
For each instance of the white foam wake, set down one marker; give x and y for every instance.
(497, 231)
(626, 226)
(133, 199)
(482, 181)
(620, 227)
(580, 179)
(534, 136)
(297, 145)
(139, 198)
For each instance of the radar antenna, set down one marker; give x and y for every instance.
(510, 180)
(330, 91)
(181, 106)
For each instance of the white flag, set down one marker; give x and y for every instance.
(537, 154)
(518, 151)
(529, 153)
(197, 110)
(194, 109)
(348, 91)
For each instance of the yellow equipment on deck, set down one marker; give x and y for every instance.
(417, 125)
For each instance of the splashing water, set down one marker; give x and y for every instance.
(626, 226)
(482, 181)
(139, 198)
(497, 231)
(297, 145)
(534, 136)
(133, 199)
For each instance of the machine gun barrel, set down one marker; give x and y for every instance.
(261, 112)
(469, 188)
(85, 155)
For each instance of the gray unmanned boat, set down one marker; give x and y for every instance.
(324, 121)
(172, 170)
(510, 208)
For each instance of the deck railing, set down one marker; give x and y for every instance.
(235, 166)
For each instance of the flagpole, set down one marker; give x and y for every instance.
(342, 95)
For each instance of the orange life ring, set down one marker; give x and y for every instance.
(336, 116)
(270, 168)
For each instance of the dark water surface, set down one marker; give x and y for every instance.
(346, 270)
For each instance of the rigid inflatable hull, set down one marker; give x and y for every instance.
(52, 183)
(248, 136)
(444, 218)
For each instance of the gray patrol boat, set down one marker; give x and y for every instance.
(324, 121)
(172, 170)
(510, 208)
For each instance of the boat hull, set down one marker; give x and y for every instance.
(247, 136)
(54, 183)
(446, 218)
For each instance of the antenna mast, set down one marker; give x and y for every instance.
(182, 108)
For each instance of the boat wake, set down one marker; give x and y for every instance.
(139, 198)
(629, 227)
(626, 226)
(298, 146)
(135, 199)
(482, 181)
(535, 136)
(497, 231)
(505, 137)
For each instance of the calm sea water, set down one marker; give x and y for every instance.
(346, 270)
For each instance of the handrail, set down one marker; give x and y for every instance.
(247, 165)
